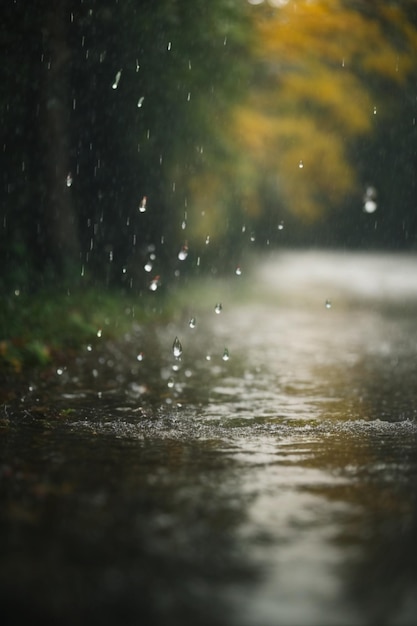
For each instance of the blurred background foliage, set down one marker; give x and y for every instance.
(134, 130)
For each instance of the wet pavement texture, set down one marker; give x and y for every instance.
(268, 476)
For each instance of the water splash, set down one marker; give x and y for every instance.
(218, 308)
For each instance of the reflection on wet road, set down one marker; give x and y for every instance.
(276, 487)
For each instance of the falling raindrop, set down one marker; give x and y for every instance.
(226, 355)
(155, 283)
(140, 102)
(207, 240)
(281, 226)
(183, 253)
(218, 308)
(171, 383)
(328, 304)
(116, 79)
(177, 348)
(252, 237)
(142, 205)
(99, 333)
(301, 164)
(369, 200)
(69, 179)
(148, 266)
(192, 323)
(238, 271)
(140, 356)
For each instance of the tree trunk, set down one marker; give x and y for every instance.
(60, 220)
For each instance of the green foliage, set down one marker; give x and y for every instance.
(35, 329)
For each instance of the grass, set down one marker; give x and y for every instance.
(35, 329)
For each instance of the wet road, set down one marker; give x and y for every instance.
(276, 486)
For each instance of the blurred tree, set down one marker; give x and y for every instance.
(114, 105)
(327, 81)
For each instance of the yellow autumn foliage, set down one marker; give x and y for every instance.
(316, 68)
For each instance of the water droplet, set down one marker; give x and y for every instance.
(226, 355)
(218, 308)
(116, 79)
(301, 164)
(140, 101)
(370, 206)
(208, 357)
(59, 371)
(207, 240)
(155, 283)
(328, 304)
(99, 332)
(281, 226)
(142, 205)
(69, 179)
(148, 266)
(369, 200)
(177, 348)
(140, 356)
(183, 253)
(192, 323)
(374, 110)
(169, 46)
(89, 347)
(252, 237)
(238, 271)
(171, 383)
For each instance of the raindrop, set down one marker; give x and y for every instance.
(69, 179)
(140, 102)
(183, 253)
(148, 266)
(328, 304)
(208, 357)
(238, 271)
(116, 79)
(171, 383)
(374, 110)
(370, 206)
(139, 357)
(301, 164)
(369, 200)
(252, 237)
(218, 308)
(226, 355)
(177, 348)
(60, 371)
(99, 333)
(281, 226)
(89, 347)
(207, 240)
(192, 323)
(169, 46)
(155, 283)
(142, 205)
